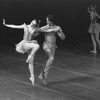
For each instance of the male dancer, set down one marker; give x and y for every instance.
(50, 31)
(27, 45)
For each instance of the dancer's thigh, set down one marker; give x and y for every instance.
(28, 46)
(49, 49)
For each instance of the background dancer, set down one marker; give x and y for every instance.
(50, 31)
(94, 28)
(27, 44)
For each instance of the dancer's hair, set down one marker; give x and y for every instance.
(50, 17)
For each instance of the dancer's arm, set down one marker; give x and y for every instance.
(55, 29)
(13, 26)
(58, 30)
(88, 10)
(36, 33)
(97, 15)
(47, 29)
(43, 28)
(61, 34)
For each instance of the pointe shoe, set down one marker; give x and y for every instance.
(94, 51)
(32, 80)
(29, 58)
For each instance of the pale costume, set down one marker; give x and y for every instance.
(20, 47)
(27, 44)
(94, 28)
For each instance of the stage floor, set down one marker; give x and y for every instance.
(75, 75)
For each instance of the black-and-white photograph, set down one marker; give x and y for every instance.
(49, 50)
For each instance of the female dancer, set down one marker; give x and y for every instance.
(94, 28)
(27, 44)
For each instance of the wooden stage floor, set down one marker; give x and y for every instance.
(75, 75)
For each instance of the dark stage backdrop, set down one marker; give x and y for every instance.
(71, 15)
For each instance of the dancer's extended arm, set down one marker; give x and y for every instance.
(13, 26)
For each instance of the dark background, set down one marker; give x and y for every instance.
(71, 15)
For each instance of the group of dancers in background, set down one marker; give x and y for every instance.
(30, 46)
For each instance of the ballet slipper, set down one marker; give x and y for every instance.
(32, 80)
(94, 51)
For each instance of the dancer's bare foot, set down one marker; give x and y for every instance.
(32, 80)
(29, 58)
(94, 51)
(42, 77)
(44, 82)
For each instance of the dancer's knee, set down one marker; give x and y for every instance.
(37, 46)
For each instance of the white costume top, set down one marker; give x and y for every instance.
(26, 39)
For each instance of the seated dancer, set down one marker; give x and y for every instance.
(50, 31)
(27, 44)
(94, 28)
